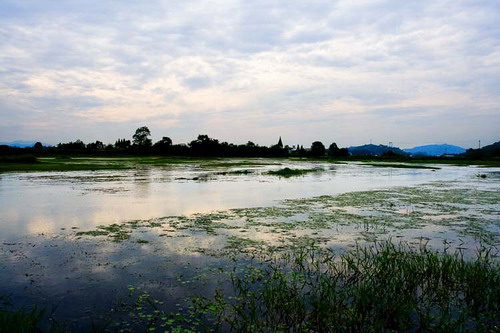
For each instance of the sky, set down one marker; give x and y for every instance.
(348, 71)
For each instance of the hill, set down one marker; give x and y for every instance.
(489, 151)
(435, 150)
(374, 150)
(18, 143)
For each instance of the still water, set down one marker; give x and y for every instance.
(170, 236)
(35, 203)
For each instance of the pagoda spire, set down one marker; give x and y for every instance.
(280, 143)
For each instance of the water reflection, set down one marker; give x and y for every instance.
(47, 202)
(142, 181)
(82, 281)
(86, 276)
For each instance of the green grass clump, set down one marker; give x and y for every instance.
(20, 321)
(384, 288)
(287, 172)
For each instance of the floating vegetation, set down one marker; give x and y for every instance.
(402, 166)
(363, 216)
(116, 232)
(228, 163)
(235, 172)
(287, 172)
(267, 276)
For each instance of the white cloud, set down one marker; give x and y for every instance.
(279, 65)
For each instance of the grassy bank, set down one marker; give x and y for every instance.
(58, 164)
(66, 163)
(26, 163)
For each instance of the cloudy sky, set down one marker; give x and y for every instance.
(410, 72)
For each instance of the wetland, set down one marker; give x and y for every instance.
(182, 245)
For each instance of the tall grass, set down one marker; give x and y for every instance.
(384, 288)
(20, 321)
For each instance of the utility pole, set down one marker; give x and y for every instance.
(479, 145)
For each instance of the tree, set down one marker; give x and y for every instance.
(122, 144)
(77, 145)
(38, 145)
(205, 146)
(335, 151)
(164, 142)
(98, 145)
(141, 137)
(317, 149)
(164, 145)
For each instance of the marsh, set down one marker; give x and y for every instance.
(81, 243)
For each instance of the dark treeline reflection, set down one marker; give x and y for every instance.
(202, 146)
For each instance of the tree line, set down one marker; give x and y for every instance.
(202, 146)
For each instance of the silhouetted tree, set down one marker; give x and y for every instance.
(163, 146)
(165, 141)
(333, 147)
(180, 150)
(205, 146)
(317, 149)
(335, 151)
(77, 145)
(98, 145)
(122, 144)
(141, 137)
(301, 151)
(275, 151)
(38, 145)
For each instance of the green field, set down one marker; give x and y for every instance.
(28, 163)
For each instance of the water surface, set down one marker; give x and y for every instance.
(76, 242)
(34, 203)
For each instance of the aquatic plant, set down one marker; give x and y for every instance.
(21, 321)
(287, 172)
(380, 288)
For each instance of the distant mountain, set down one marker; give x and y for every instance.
(18, 143)
(495, 147)
(374, 150)
(492, 150)
(435, 150)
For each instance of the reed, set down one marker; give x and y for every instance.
(381, 288)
